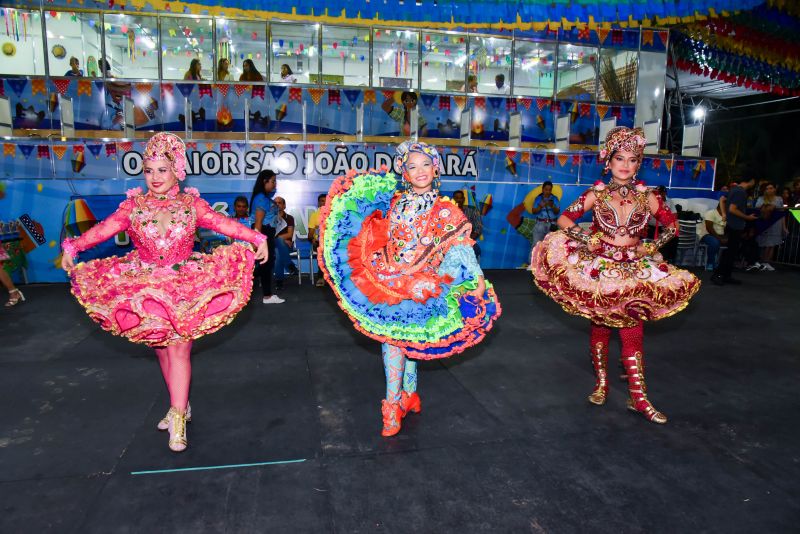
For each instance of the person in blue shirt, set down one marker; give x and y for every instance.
(545, 210)
(266, 217)
(73, 67)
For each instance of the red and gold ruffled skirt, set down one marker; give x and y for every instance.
(611, 287)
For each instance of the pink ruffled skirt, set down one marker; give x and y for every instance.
(161, 306)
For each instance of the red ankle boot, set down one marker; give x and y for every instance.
(410, 403)
(600, 362)
(638, 402)
(392, 416)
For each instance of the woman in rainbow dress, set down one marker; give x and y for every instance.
(399, 259)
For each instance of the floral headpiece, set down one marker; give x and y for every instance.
(625, 139)
(169, 147)
(405, 148)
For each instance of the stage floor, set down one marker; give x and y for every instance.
(506, 441)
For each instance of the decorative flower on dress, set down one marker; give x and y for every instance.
(169, 147)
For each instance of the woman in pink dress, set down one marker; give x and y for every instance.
(162, 294)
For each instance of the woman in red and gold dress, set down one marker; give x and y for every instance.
(609, 275)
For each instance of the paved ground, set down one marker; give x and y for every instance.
(506, 441)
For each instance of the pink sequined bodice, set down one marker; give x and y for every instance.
(162, 228)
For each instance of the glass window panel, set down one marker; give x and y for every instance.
(345, 55)
(22, 45)
(490, 64)
(131, 46)
(297, 47)
(618, 69)
(239, 42)
(444, 61)
(534, 68)
(73, 36)
(577, 72)
(395, 58)
(187, 48)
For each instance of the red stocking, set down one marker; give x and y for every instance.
(633, 360)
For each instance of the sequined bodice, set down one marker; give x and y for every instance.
(162, 227)
(162, 230)
(417, 225)
(613, 222)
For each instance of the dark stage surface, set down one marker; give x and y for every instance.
(506, 441)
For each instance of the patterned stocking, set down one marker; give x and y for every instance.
(410, 377)
(179, 374)
(394, 363)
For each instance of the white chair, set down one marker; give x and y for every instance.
(688, 242)
(297, 254)
(294, 254)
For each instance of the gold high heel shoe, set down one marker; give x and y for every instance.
(15, 296)
(164, 423)
(177, 432)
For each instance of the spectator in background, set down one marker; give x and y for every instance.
(284, 242)
(267, 219)
(471, 85)
(250, 73)
(787, 197)
(796, 191)
(500, 87)
(737, 219)
(313, 232)
(195, 71)
(402, 115)
(712, 233)
(546, 209)
(74, 69)
(287, 76)
(474, 215)
(223, 75)
(241, 211)
(771, 206)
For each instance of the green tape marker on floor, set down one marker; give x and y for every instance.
(210, 467)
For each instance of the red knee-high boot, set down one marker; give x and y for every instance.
(633, 360)
(600, 336)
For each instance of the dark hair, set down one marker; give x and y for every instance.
(253, 75)
(546, 183)
(288, 68)
(412, 94)
(241, 198)
(258, 188)
(322, 195)
(501, 77)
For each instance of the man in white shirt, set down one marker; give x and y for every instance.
(501, 87)
(712, 233)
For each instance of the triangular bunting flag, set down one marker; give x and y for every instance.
(352, 95)
(223, 88)
(316, 94)
(563, 159)
(296, 94)
(59, 150)
(277, 91)
(62, 85)
(369, 96)
(428, 99)
(84, 88)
